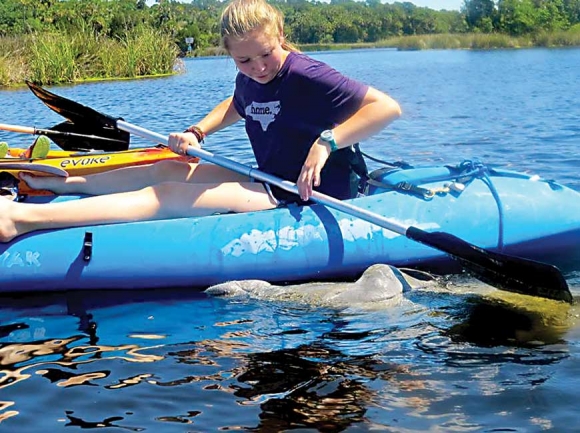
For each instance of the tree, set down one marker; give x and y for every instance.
(517, 17)
(309, 27)
(551, 15)
(479, 14)
(572, 11)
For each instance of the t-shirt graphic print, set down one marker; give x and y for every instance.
(263, 112)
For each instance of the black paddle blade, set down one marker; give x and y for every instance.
(68, 137)
(510, 273)
(83, 120)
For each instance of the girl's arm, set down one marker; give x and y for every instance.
(377, 110)
(375, 113)
(223, 115)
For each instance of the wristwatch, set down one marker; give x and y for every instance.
(328, 136)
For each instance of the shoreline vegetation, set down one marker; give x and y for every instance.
(56, 42)
(53, 58)
(60, 58)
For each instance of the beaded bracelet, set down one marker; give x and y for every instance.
(196, 130)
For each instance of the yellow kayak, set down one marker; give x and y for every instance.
(82, 163)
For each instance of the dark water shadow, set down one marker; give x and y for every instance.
(308, 387)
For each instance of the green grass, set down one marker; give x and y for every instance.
(51, 58)
(472, 41)
(475, 41)
(12, 65)
(570, 38)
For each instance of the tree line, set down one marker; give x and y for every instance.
(307, 22)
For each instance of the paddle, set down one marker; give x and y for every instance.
(71, 141)
(82, 120)
(510, 273)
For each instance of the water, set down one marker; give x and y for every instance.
(175, 361)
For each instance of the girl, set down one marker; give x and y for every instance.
(302, 117)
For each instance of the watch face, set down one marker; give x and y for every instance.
(327, 135)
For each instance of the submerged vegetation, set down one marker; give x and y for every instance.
(56, 41)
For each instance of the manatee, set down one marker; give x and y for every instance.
(378, 285)
(491, 316)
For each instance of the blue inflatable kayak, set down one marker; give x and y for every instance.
(501, 210)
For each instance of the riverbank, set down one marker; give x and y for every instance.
(145, 52)
(52, 58)
(468, 41)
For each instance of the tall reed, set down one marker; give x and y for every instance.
(53, 58)
(12, 64)
(50, 58)
(148, 52)
(569, 38)
(455, 41)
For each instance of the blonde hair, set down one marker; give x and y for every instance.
(241, 17)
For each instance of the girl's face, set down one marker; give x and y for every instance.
(258, 56)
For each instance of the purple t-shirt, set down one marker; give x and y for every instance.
(285, 116)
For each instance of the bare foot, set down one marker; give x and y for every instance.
(8, 228)
(52, 183)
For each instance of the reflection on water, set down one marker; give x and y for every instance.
(276, 366)
(107, 422)
(297, 387)
(15, 360)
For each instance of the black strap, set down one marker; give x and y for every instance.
(397, 164)
(403, 187)
(359, 166)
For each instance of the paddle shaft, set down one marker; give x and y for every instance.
(50, 132)
(505, 272)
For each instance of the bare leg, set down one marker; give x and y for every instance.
(162, 201)
(134, 178)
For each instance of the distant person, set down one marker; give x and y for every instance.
(302, 118)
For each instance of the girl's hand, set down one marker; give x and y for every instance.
(178, 142)
(310, 174)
